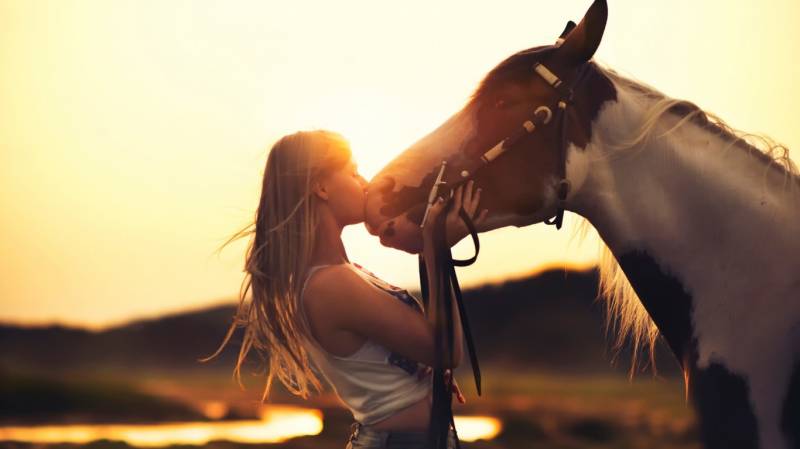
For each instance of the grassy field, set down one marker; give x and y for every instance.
(536, 409)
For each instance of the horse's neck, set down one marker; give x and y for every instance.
(706, 232)
(690, 196)
(714, 218)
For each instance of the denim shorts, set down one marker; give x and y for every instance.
(364, 437)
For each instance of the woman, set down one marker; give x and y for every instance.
(312, 306)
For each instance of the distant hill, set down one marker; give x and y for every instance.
(172, 342)
(548, 321)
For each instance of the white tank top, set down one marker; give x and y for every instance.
(373, 382)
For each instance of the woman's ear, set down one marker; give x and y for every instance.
(320, 190)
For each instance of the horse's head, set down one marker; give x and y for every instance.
(518, 187)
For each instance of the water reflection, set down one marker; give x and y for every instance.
(214, 409)
(276, 424)
(473, 428)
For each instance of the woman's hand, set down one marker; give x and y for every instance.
(456, 229)
(425, 372)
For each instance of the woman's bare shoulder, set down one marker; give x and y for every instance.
(331, 279)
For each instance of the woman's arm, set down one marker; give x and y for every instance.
(337, 300)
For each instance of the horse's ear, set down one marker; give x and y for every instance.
(581, 42)
(567, 29)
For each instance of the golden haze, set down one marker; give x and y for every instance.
(134, 133)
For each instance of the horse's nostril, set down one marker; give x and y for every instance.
(388, 232)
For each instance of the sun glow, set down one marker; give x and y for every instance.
(149, 146)
(473, 428)
(377, 124)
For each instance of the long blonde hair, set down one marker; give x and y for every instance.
(278, 256)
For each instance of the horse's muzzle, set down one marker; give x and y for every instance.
(395, 231)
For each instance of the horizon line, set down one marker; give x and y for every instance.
(119, 323)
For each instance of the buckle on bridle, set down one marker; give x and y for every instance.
(434, 193)
(548, 114)
(562, 190)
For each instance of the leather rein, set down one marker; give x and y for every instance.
(446, 279)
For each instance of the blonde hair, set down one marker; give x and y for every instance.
(278, 257)
(626, 317)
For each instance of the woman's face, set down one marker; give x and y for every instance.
(347, 194)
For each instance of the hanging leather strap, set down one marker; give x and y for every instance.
(448, 290)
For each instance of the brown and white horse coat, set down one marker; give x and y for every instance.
(704, 225)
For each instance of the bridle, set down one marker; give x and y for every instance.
(447, 281)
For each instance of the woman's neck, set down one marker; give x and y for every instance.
(328, 246)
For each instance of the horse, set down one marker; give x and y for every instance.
(700, 221)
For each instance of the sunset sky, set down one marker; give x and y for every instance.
(133, 134)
